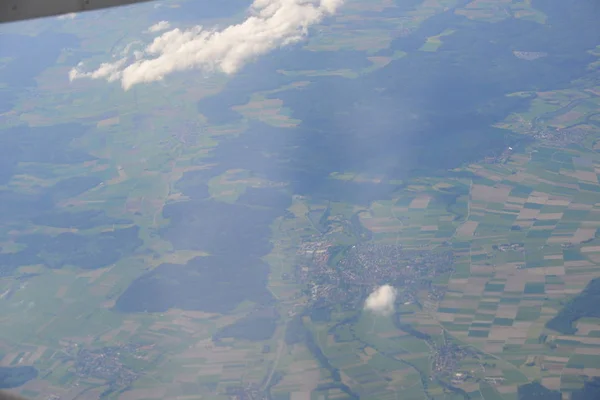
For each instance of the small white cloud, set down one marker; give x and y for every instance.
(109, 71)
(382, 300)
(271, 24)
(159, 26)
(67, 16)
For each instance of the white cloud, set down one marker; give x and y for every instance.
(381, 301)
(271, 24)
(128, 50)
(67, 16)
(159, 26)
(110, 71)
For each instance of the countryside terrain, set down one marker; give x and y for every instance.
(215, 237)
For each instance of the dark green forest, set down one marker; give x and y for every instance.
(583, 305)
(12, 377)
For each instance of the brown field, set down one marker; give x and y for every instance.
(579, 206)
(590, 249)
(149, 393)
(583, 234)
(490, 194)
(558, 270)
(381, 224)
(591, 372)
(506, 311)
(588, 176)
(380, 61)
(467, 229)
(507, 333)
(588, 350)
(528, 213)
(551, 382)
(8, 359)
(108, 122)
(549, 216)
(515, 283)
(300, 395)
(420, 202)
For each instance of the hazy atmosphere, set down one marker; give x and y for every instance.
(302, 199)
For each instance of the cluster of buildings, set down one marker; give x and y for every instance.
(345, 275)
(562, 137)
(436, 293)
(446, 360)
(500, 158)
(364, 265)
(520, 247)
(317, 251)
(106, 364)
(249, 392)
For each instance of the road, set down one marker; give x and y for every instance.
(280, 348)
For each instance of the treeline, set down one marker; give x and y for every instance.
(257, 326)
(590, 390)
(255, 329)
(584, 305)
(407, 328)
(296, 332)
(536, 391)
(12, 377)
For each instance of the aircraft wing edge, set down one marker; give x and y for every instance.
(19, 10)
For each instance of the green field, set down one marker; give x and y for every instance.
(517, 309)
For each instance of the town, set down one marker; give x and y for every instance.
(342, 275)
(446, 360)
(106, 364)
